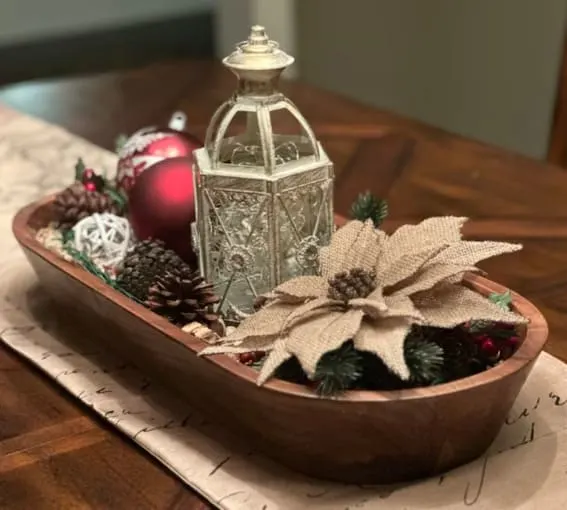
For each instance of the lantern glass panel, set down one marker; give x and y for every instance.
(237, 213)
(302, 213)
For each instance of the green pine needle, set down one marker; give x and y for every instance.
(337, 371)
(425, 360)
(115, 195)
(369, 207)
(87, 264)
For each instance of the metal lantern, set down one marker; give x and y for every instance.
(263, 199)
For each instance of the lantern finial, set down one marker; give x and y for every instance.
(258, 53)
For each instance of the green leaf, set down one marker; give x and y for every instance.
(369, 207)
(120, 141)
(503, 300)
(79, 169)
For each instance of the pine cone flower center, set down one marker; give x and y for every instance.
(352, 284)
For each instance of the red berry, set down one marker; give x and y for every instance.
(90, 186)
(258, 355)
(489, 349)
(245, 358)
(88, 174)
(480, 339)
(248, 358)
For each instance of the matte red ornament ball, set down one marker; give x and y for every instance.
(161, 205)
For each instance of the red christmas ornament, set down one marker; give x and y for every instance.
(161, 205)
(151, 145)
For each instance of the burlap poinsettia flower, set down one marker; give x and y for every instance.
(372, 288)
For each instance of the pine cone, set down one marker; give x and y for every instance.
(356, 283)
(146, 261)
(75, 203)
(183, 298)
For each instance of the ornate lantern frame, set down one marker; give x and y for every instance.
(263, 200)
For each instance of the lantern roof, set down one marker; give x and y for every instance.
(258, 131)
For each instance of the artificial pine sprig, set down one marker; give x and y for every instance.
(369, 207)
(102, 183)
(425, 360)
(337, 371)
(87, 264)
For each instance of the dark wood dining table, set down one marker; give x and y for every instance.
(59, 455)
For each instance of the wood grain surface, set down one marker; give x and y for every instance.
(421, 170)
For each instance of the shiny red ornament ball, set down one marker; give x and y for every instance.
(161, 205)
(151, 145)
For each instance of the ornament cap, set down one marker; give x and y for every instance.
(178, 121)
(258, 53)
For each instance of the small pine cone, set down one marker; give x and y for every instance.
(356, 283)
(183, 299)
(146, 261)
(75, 203)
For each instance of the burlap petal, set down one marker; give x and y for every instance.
(301, 288)
(402, 306)
(309, 340)
(278, 356)
(373, 305)
(258, 344)
(354, 245)
(385, 338)
(430, 276)
(410, 239)
(265, 323)
(469, 253)
(451, 305)
(303, 311)
(405, 266)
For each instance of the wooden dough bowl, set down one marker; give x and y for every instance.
(363, 437)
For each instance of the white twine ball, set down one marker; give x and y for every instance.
(104, 238)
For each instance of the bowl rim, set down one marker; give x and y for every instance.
(534, 341)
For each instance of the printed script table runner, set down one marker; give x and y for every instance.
(525, 468)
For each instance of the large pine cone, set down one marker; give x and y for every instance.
(75, 203)
(183, 299)
(146, 261)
